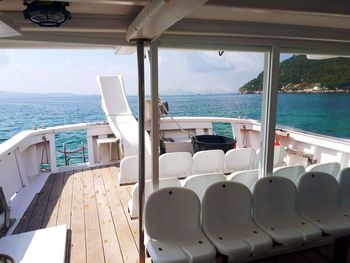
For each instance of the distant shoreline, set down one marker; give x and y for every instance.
(298, 92)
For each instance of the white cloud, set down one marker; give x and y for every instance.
(72, 63)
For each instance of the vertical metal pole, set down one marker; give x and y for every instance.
(155, 115)
(268, 112)
(141, 92)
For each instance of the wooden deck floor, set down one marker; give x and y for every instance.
(93, 205)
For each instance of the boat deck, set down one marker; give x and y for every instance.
(94, 207)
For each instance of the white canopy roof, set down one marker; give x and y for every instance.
(186, 23)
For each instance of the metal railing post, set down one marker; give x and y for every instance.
(141, 100)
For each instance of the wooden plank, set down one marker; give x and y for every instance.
(313, 256)
(50, 217)
(23, 223)
(78, 249)
(126, 240)
(37, 217)
(124, 197)
(110, 241)
(65, 204)
(94, 248)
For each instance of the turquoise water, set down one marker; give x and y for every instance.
(327, 114)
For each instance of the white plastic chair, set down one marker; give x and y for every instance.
(133, 204)
(227, 222)
(240, 159)
(329, 168)
(248, 178)
(172, 222)
(129, 169)
(344, 188)
(176, 164)
(200, 182)
(318, 202)
(274, 210)
(211, 161)
(290, 172)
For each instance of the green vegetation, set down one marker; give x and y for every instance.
(299, 74)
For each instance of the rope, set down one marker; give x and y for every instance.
(71, 152)
(171, 117)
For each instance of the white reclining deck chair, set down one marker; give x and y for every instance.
(200, 182)
(122, 122)
(172, 223)
(344, 188)
(133, 204)
(290, 172)
(240, 159)
(248, 178)
(211, 161)
(176, 164)
(318, 202)
(274, 210)
(329, 168)
(227, 222)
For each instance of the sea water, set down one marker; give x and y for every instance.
(327, 114)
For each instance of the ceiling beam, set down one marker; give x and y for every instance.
(335, 7)
(158, 16)
(109, 2)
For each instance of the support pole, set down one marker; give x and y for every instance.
(268, 111)
(155, 114)
(141, 92)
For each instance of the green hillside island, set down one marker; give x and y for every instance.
(301, 75)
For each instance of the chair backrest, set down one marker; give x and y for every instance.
(240, 159)
(329, 168)
(163, 183)
(248, 178)
(129, 169)
(176, 164)
(317, 191)
(172, 213)
(200, 183)
(344, 187)
(225, 205)
(211, 161)
(273, 197)
(290, 172)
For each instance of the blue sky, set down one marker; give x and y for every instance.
(75, 71)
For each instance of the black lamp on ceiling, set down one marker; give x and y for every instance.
(46, 13)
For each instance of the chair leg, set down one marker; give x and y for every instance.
(340, 250)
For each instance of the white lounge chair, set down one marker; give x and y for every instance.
(172, 223)
(318, 202)
(176, 164)
(344, 188)
(200, 182)
(274, 210)
(129, 169)
(248, 178)
(211, 161)
(227, 222)
(329, 168)
(119, 115)
(133, 204)
(290, 172)
(240, 159)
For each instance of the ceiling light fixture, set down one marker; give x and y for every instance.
(46, 13)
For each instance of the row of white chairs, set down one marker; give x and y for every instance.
(240, 224)
(199, 183)
(183, 164)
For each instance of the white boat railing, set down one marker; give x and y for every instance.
(21, 155)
